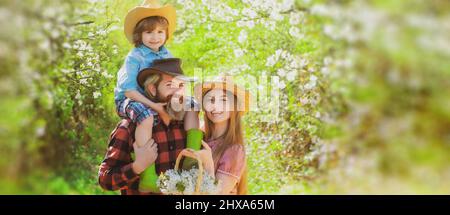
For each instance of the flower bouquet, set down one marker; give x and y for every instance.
(187, 182)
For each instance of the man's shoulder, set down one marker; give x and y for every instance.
(123, 130)
(125, 123)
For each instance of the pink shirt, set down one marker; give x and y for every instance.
(232, 162)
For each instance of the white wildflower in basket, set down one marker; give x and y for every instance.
(187, 182)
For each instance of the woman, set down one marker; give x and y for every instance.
(223, 152)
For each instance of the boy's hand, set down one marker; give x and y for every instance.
(160, 107)
(145, 156)
(165, 117)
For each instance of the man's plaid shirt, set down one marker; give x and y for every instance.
(115, 172)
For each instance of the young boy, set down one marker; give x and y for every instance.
(148, 27)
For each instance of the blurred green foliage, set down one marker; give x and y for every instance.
(364, 103)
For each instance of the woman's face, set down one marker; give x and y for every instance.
(218, 105)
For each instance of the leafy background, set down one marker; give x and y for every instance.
(363, 103)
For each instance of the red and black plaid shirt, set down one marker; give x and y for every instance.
(115, 171)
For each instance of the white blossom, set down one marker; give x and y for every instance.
(295, 18)
(327, 61)
(271, 61)
(304, 101)
(44, 45)
(96, 94)
(250, 24)
(290, 76)
(249, 13)
(274, 15)
(67, 46)
(238, 53)
(106, 75)
(312, 83)
(281, 72)
(287, 4)
(78, 95)
(317, 115)
(295, 32)
(55, 33)
(83, 81)
(281, 85)
(329, 30)
(184, 182)
(325, 70)
(320, 10)
(240, 23)
(242, 36)
(40, 131)
(269, 24)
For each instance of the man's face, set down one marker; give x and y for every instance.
(169, 87)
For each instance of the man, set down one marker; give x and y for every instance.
(118, 171)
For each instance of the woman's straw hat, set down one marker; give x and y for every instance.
(225, 83)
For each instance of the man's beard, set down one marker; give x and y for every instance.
(175, 107)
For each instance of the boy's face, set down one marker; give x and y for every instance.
(154, 39)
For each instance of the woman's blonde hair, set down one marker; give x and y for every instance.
(233, 135)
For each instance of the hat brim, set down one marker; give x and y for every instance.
(138, 13)
(243, 96)
(143, 74)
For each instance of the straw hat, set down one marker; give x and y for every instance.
(149, 8)
(225, 83)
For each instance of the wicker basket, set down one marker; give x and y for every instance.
(200, 168)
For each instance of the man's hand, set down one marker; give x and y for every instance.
(145, 156)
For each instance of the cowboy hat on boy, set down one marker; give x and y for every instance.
(146, 9)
